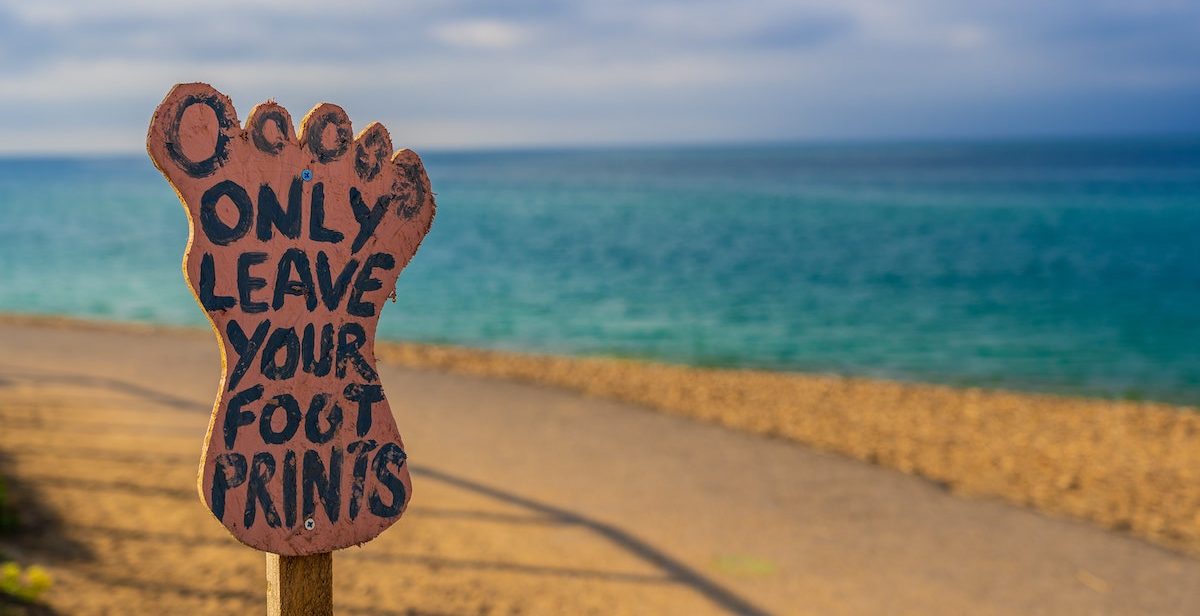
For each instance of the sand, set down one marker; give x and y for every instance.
(1131, 466)
(531, 499)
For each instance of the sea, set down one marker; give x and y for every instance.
(1066, 266)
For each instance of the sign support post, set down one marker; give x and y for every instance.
(300, 585)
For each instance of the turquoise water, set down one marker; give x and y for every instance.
(1068, 266)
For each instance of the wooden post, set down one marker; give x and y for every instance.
(300, 585)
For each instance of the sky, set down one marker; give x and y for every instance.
(83, 76)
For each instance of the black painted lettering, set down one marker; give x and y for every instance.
(245, 348)
(312, 419)
(262, 469)
(291, 411)
(294, 260)
(206, 167)
(214, 228)
(412, 172)
(208, 283)
(333, 290)
(366, 396)
(315, 136)
(316, 219)
(365, 283)
(370, 155)
(259, 135)
(360, 450)
(317, 362)
(289, 488)
(282, 338)
(316, 484)
(390, 455)
(247, 284)
(235, 417)
(270, 214)
(229, 471)
(368, 218)
(351, 338)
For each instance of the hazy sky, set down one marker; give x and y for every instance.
(84, 75)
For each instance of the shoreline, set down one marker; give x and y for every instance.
(1124, 465)
(127, 325)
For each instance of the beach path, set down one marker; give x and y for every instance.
(526, 500)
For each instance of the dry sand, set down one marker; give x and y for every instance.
(1130, 466)
(535, 500)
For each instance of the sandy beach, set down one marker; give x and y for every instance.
(1128, 466)
(547, 485)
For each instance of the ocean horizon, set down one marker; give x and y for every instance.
(1057, 265)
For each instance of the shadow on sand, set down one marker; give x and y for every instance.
(55, 540)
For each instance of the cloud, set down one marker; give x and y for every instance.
(967, 36)
(474, 72)
(481, 34)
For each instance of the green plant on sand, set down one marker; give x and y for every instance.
(27, 586)
(22, 586)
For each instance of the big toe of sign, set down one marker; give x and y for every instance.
(296, 242)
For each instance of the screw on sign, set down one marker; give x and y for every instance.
(295, 242)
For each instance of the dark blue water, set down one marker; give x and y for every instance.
(1067, 266)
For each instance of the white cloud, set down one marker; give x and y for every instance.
(967, 36)
(483, 73)
(482, 34)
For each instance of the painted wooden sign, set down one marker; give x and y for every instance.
(296, 242)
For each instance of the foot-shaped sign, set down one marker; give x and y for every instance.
(295, 244)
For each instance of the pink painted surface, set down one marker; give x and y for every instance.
(270, 479)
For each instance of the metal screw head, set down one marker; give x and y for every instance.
(306, 175)
(309, 524)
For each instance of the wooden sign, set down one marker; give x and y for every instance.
(296, 242)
